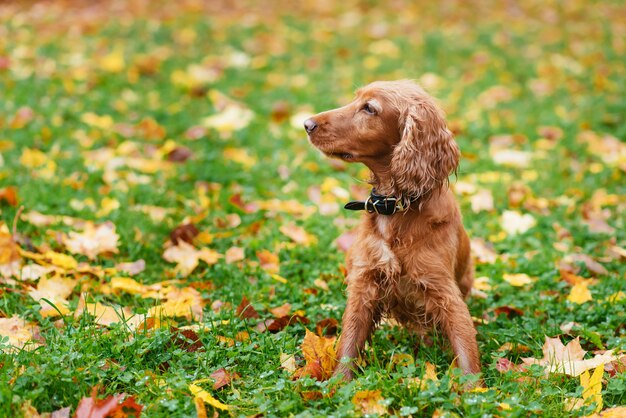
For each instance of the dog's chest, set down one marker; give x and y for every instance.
(400, 294)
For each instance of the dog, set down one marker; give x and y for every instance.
(411, 258)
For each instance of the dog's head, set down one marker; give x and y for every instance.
(395, 128)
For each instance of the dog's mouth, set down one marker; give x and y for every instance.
(346, 156)
(328, 149)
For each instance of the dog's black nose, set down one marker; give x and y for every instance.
(310, 125)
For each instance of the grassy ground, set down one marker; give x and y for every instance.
(94, 86)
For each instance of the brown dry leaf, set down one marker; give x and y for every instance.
(245, 309)
(368, 402)
(320, 356)
(185, 232)
(186, 339)
(278, 324)
(568, 359)
(223, 378)
(327, 327)
(93, 240)
(268, 261)
(19, 332)
(298, 234)
(187, 257)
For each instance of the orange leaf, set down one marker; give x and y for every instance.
(319, 354)
(368, 402)
(93, 407)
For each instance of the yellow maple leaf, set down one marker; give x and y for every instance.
(113, 62)
(240, 156)
(518, 280)
(198, 392)
(64, 261)
(186, 303)
(107, 206)
(592, 387)
(128, 285)
(32, 158)
(580, 293)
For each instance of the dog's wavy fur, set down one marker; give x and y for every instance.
(414, 265)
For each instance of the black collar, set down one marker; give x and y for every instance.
(382, 205)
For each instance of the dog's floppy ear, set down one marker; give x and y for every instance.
(426, 154)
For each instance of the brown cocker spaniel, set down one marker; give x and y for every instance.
(411, 258)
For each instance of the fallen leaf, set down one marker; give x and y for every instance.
(187, 257)
(93, 240)
(186, 339)
(482, 201)
(245, 309)
(281, 311)
(21, 334)
(319, 354)
(222, 378)
(511, 158)
(345, 240)
(483, 251)
(288, 362)
(186, 302)
(513, 222)
(234, 254)
(592, 387)
(132, 268)
(111, 406)
(327, 327)
(268, 261)
(580, 293)
(368, 402)
(198, 392)
(568, 359)
(9, 195)
(519, 279)
(186, 232)
(615, 412)
(297, 234)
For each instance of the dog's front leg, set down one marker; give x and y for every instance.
(359, 319)
(447, 308)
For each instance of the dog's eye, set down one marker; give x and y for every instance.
(369, 109)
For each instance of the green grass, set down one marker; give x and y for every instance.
(311, 60)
